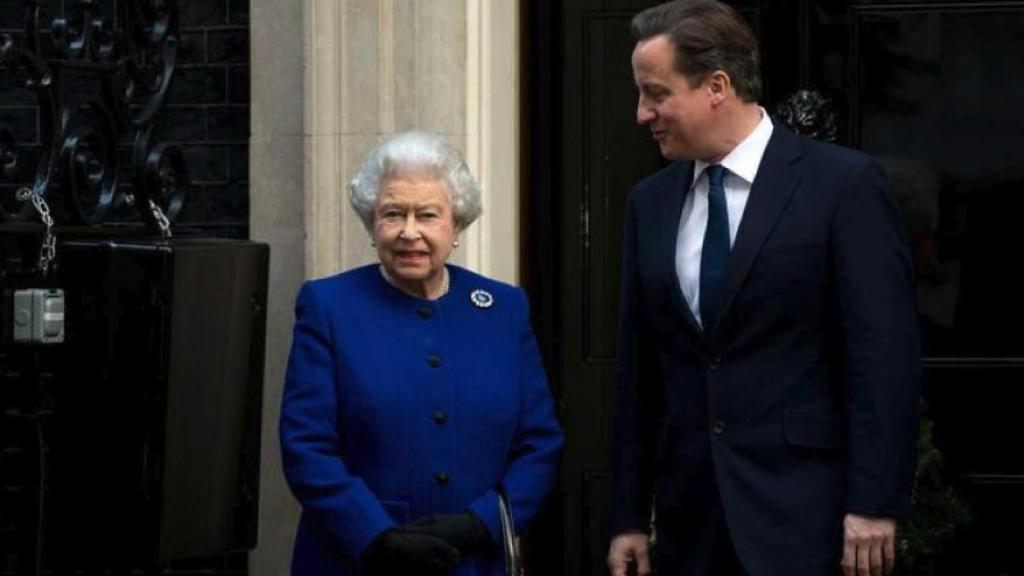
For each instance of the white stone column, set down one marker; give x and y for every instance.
(492, 145)
(276, 198)
(374, 67)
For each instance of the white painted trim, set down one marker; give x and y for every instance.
(472, 243)
(492, 134)
(324, 78)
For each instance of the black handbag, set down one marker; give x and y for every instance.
(509, 542)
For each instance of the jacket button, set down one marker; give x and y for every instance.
(718, 428)
(441, 478)
(426, 312)
(714, 364)
(440, 418)
(434, 360)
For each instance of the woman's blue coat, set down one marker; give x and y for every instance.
(395, 407)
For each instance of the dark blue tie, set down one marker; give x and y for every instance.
(714, 256)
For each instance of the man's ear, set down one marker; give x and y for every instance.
(718, 85)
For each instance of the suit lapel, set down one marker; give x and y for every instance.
(668, 237)
(778, 176)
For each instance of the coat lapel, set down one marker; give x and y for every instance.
(668, 237)
(778, 176)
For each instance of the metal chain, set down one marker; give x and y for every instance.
(161, 219)
(48, 251)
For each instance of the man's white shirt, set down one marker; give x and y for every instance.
(742, 164)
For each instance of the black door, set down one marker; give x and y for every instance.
(934, 90)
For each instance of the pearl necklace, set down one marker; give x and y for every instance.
(440, 293)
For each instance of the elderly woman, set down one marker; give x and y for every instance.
(414, 391)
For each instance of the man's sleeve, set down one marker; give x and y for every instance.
(873, 276)
(636, 406)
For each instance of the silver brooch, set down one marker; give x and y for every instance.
(481, 298)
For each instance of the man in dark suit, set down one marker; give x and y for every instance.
(769, 356)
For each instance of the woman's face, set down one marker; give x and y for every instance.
(414, 229)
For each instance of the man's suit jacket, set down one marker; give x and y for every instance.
(800, 404)
(395, 407)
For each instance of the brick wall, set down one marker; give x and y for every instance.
(206, 114)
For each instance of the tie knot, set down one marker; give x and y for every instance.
(716, 175)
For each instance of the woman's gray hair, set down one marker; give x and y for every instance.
(415, 154)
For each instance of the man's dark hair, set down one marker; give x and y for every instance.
(707, 35)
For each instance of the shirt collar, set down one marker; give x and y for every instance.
(746, 156)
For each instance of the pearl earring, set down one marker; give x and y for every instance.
(455, 244)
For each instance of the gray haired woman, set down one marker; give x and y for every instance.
(414, 393)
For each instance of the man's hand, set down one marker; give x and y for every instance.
(869, 545)
(626, 548)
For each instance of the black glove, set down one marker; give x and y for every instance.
(463, 530)
(396, 552)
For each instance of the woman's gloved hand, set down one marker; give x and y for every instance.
(397, 551)
(463, 530)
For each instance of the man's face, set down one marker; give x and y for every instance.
(677, 113)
